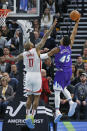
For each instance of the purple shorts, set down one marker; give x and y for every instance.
(62, 79)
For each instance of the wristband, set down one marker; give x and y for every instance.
(44, 56)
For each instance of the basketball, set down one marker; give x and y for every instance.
(74, 15)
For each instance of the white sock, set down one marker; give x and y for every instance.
(67, 95)
(57, 100)
(33, 112)
(28, 112)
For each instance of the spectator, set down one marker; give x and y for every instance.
(6, 32)
(14, 43)
(77, 78)
(11, 81)
(84, 46)
(49, 67)
(14, 72)
(36, 28)
(84, 57)
(36, 23)
(46, 19)
(3, 64)
(12, 25)
(85, 67)
(6, 95)
(79, 62)
(6, 53)
(81, 96)
(3, 42)
(45, 88)
(37, 37)
(73, 72)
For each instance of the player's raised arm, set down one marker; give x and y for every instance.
(74, 32)
(53, 51)
(50, 53)
(17, 58)
(47, 34)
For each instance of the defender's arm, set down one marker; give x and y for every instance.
(47, 34)
(50, 53)
(17, 58)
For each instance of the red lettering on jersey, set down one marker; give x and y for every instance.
(29, 55)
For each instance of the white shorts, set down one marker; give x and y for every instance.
(33, 83)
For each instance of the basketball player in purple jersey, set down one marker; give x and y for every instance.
(63, 75)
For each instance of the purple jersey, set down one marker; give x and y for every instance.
(63, 58)
(64, 65)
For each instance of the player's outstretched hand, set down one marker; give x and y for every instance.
(78, 20)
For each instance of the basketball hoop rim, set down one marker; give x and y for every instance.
(4, 12)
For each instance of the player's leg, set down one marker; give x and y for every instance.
(29, 118)
(37, 83)
(57, 89)
(58, 114)
(28, 105)
(67, 78)
(71, 103)
(35, 104)
(58, 80)
(28, 86)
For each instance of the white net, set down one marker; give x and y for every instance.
(2, 20)
(3, 15)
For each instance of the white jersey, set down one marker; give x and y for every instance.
(31, 61)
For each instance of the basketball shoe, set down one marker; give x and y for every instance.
(30, 121)
(72, 109)
(57, 117)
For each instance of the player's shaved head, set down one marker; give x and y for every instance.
(28, 45)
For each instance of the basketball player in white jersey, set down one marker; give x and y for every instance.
(33, 82)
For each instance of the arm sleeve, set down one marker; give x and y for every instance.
(44, 56)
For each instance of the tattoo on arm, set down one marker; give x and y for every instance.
(47, 34)
(18, 58)
(53, 51)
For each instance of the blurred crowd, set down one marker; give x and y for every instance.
(9, 71)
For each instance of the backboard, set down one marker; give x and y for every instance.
(22, 8)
